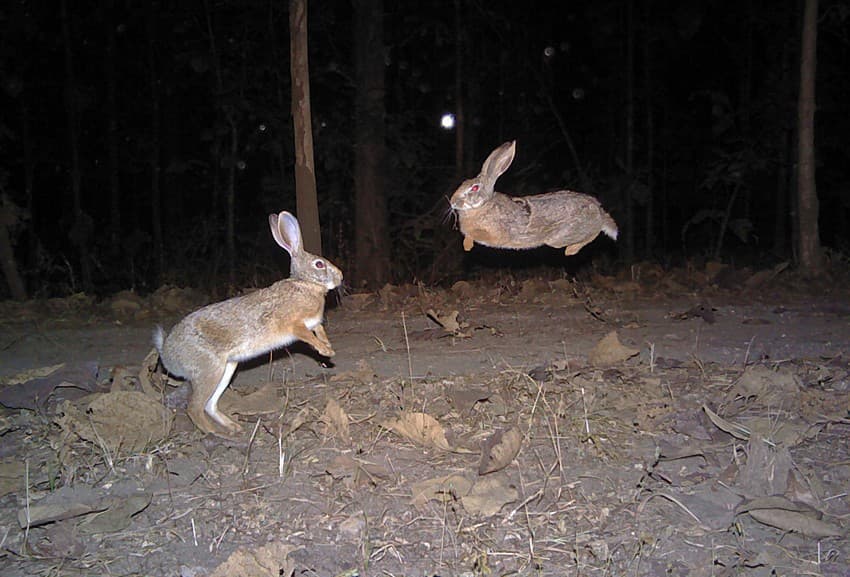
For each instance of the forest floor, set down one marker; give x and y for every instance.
(688, 422)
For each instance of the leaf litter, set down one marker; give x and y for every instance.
(597, 462)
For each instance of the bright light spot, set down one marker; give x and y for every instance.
(240, 164)
(578, 93)
(261, 128)
(447, 121)
(549, 52)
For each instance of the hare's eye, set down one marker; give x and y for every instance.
(474, 188)
(319, 264)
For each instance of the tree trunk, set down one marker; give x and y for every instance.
(630, 133)
(650, 131)
(306, 199)
(112, 134)
(230, 202)
(217, 138)
(29, 183)
(82, 228)
(154, 163)
(811, 257)
(785, 138)
(459, 99)
(283, 94)
(10, 216)
(372, 246)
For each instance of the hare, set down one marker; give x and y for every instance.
(207, 345)
(561, 219)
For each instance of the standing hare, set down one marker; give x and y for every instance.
(207, 345)
(560, 219)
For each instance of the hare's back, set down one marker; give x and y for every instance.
(247, 325)
(566, 217)
(565, 206)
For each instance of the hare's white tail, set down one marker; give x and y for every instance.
(158, 338)
(609, 227)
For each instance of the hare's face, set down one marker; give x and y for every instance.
(316, 269)
(471, 194)
(331, 275)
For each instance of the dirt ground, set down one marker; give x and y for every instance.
(689, 422)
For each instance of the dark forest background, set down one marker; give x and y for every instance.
(132, 131)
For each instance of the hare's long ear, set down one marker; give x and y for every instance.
(286, 232)
(499, 160)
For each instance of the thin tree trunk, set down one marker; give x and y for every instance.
(219, 120)
(82, 228)
(371, 236)
(785, 140)
(112, 133)
(280, 56)
(306, 199)
(650, 130)
(10, 216)
(154, 163)
(630, 132)
(724, 222)
(459, 99)
(230, 203)
(811, 258)
(29, 182)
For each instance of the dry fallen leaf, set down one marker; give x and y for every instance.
(296, 422)
(356, 472)
(421, 428)
(777, 511)
(264, 400)
(442, 489)
(336, 421)
(733, 429)
(489, 495)
(128, 420)
(464, 399)
(610, 351)
(364, 373)
(449, 322)
(499, 450)
(271, 560)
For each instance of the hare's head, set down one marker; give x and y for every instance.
(476, 191)
(304, 265)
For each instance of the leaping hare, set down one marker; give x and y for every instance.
(561, 219)
(207, 345)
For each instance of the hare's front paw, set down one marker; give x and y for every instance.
(322, 344)
(467, 243)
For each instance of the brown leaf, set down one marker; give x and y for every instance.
(489, 495)
(464, 399)
(796, 522)
(336, 421)
(610, 351)
(449, 322)
(364, 373)
(262, 401)
(270, 560)
(420, 428)
(499, 450)
(128, 420)
(442, 489)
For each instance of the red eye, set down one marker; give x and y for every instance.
(319, 264)
(474, 188)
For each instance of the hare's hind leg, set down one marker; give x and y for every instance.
(211, 406)
(574, 248)
(207, 387)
